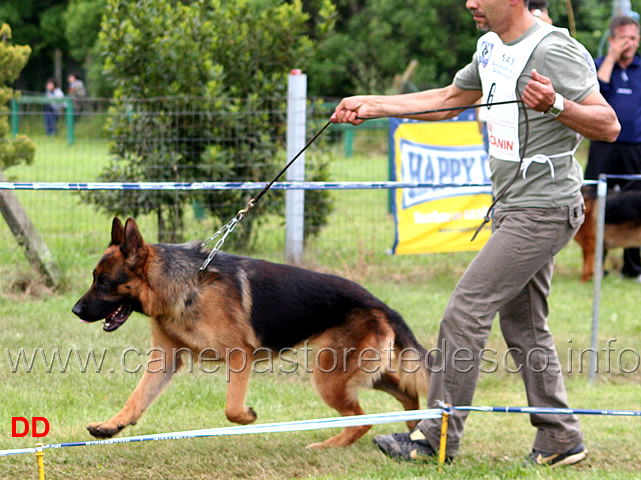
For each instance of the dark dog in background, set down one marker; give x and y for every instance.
(246, 306)
(622, 225)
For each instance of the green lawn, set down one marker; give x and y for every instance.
(353, 245)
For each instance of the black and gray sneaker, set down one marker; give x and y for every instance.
(412, 446)
(572, 456)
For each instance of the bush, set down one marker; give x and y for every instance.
(198, 95)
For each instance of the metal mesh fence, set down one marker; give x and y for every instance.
(188, 140)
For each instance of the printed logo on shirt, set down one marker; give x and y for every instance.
(485, 52)
(500, 137)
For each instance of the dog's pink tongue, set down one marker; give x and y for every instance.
(84, 321)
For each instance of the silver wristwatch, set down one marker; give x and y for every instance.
(557, 107)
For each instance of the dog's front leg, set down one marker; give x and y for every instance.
(238, 369)
(158, 373)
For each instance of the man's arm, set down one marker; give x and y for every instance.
(617, 47)
(605, 70)
(354, 109)
(593, 117)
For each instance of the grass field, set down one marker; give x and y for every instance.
(354, 246)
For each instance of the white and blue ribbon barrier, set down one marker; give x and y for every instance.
(83, 186)
(295, 426)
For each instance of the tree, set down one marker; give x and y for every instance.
(13, 58)
(198, 95)
(82, 20)
(41, 26)
(592, 19)
(376, 40)
(14, 151)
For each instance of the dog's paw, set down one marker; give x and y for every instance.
(104, 429)
(247, 416)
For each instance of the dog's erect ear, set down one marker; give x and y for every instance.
(133, 241)
(117, 232)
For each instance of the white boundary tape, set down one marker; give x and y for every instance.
(334, 422)
(247, 185)
(224, 185)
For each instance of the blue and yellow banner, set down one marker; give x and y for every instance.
(449, 153)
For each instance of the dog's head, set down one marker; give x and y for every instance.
(118, 279)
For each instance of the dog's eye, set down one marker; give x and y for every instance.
(102, 281)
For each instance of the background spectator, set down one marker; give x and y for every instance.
(52, 109)
(78, 93)
(619, 75)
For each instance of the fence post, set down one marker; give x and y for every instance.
(602, 190)
(70, 119)
(295, 199)
(40, 459)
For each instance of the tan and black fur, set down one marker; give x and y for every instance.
(248, 304)
(622, 225)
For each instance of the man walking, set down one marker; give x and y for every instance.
(539, 209)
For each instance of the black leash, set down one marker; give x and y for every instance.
(254, 200)
(439, 110)
(229, 227)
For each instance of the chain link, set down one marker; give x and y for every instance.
(224, 231)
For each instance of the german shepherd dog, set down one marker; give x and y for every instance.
(247, 306)
(622, 225)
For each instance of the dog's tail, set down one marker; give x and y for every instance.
(411, 359)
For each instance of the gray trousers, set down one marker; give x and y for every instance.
(511, 276)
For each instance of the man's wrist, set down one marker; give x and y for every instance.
(557, 107)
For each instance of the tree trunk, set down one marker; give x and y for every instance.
(27, 236)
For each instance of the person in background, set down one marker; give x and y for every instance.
(539, 8)
(78, 92)
(619, 74)
(52, 109)
(537, 213)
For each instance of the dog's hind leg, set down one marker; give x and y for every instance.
(353, 355)
(389, 383)
(339, 373)
(334, 389)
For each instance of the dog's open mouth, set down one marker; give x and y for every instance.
(117, 318)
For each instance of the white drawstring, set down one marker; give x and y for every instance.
(538, 158)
